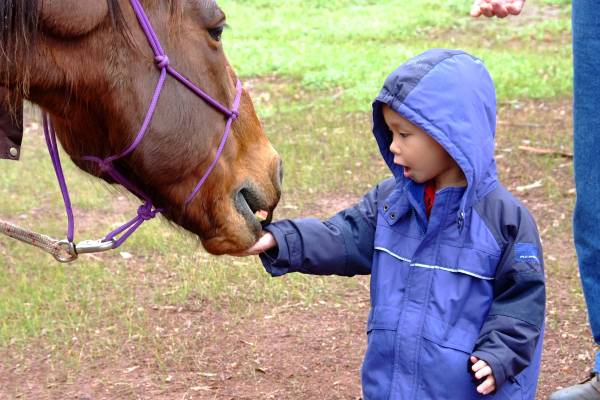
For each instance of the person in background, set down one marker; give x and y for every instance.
(586, 141)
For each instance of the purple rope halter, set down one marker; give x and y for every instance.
(147, 210)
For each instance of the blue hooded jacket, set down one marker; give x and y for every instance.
(468, 280)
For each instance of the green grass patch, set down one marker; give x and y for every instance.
(350, 46)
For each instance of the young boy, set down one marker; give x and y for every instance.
(457, 281)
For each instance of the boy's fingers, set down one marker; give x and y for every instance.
(488, 386)
(485, 371)
(474, 359)
(478, 365)
(266, 242)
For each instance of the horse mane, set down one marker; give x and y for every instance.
(18, 24)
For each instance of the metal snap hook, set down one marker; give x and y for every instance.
(94, 246)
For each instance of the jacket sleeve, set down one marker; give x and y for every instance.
(341, 245)
(510, 334)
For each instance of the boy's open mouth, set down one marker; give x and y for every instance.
(406, 171)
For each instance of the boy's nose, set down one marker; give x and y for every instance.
(395, 148)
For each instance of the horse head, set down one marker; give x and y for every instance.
(87, 63)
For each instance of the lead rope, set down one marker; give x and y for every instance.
(61, 249)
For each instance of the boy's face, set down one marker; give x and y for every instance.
(421, 156)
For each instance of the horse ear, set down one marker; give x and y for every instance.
(71, 18)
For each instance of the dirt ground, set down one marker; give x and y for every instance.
(293, 351)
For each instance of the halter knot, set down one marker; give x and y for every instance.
(146, 212)
(234, 115)
(105, 166)
(161, 61)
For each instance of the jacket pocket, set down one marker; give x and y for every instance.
(378, 364)
(447, 349)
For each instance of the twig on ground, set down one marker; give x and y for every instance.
(537, 150)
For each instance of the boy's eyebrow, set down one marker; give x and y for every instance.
(407, 126)
(393, 122)
(400, 125)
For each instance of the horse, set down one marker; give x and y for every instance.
(87, 64)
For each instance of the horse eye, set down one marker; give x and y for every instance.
(216, 33)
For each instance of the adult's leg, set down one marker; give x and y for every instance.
(586, 137)
(586, 121)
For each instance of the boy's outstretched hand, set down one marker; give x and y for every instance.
(499, 8)
(482, 370)
(266, 242)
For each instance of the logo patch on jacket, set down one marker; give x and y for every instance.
(526, 253)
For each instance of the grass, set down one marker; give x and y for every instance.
(313, 68)
(351, 46)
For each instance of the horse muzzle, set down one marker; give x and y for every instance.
(254, 206)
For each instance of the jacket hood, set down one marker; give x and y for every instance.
(450, 95)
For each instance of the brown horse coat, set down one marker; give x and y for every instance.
(88, 65)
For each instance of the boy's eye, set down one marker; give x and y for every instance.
(403, 135)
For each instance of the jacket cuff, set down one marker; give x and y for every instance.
(495, 364)
(277, 261)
